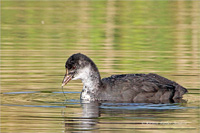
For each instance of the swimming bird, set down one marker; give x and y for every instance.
(119, 88)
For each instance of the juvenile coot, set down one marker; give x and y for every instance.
(122, 88)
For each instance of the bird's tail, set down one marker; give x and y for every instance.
(179, 92)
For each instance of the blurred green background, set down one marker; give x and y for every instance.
(37, 37)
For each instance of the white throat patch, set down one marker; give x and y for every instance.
(89, 84)
(82, 73)
(85, 75)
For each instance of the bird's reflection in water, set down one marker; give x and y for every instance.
(88, 121)
(91, 111)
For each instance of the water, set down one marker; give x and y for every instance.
(37, 37)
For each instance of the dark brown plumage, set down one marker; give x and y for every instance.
(120, 88)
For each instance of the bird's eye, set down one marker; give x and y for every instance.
(74, 67)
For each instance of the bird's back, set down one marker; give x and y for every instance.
(140, 88)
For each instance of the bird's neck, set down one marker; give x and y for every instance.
(91, 83)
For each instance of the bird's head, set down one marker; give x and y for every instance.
(78, 66)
